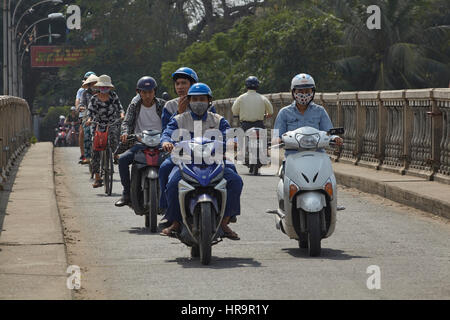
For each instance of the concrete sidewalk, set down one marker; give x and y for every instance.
(33, 258)
(430, 196)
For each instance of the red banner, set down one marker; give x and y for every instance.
(56, 56)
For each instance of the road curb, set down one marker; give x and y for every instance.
(395, 193)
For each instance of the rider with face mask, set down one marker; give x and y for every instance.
(303, 111)
(200, 99)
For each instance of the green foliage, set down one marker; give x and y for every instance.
(409, 51)
(33, 139)
(50, 121)
(274, 46)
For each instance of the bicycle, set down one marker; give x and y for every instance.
(107, 161)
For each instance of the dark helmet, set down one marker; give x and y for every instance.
(252, 83)
(146, 84)
(186, 73)
(165, 96)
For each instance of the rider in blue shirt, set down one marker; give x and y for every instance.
(200, 98)
(303, 111)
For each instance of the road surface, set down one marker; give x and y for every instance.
(119, 259)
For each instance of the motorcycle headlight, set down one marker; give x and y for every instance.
(309, 142)
(151, 141)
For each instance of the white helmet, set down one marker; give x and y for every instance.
(61, 117)
(301, 81)
(73, 109)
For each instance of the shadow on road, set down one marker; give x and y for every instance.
(142, 231)
(217, 263)
(330, 254)
(103, 195)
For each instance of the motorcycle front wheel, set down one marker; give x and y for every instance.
(205, 233)
(136, 193)
(152, 216)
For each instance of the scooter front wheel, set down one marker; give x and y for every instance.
(314, 234)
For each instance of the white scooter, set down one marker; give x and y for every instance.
(307, 193)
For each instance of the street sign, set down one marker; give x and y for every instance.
(57, 56)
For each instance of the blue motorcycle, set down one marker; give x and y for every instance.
(202, 195)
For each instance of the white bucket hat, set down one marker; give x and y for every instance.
(91, 79)
(104, 81)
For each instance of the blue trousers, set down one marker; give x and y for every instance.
(234, 189)
(125, 160)
(164, 172)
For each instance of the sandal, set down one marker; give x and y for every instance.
(98, 184)
(230, 234)
(171, 231)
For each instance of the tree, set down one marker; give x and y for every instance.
(404, 53)
(274, 46)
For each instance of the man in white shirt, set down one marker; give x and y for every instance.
(144, 113)
(252, 107)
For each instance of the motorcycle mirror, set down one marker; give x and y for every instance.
(336, 131)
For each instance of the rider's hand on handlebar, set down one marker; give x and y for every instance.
(338, 141)
(124, 138)
(167, 146)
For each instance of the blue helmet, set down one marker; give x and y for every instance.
(187, 73)
(146, 84)
(252, 83)
(90, 73)
(200, 89)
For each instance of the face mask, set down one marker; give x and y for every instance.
(199, 108)
(303, 99)
(104, 90)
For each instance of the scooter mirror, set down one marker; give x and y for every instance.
(336, 131)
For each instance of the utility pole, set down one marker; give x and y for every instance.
(5, 48)
(10, 54)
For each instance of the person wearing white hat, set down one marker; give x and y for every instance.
(85, 137)
(104, 108)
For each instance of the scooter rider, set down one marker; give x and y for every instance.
(252, 107)
(199, 101)
(303, 111)
(144, 113)
(183, 79)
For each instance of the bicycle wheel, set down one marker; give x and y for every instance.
(108, 171)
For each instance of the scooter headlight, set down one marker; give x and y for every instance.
(309, 141)
(151, 140)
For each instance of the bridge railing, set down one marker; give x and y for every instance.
(403, 131)
(15, 132)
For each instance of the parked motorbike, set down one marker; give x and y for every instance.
(61, 133)
(144, 186)
(202, 195)
(307, 193)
